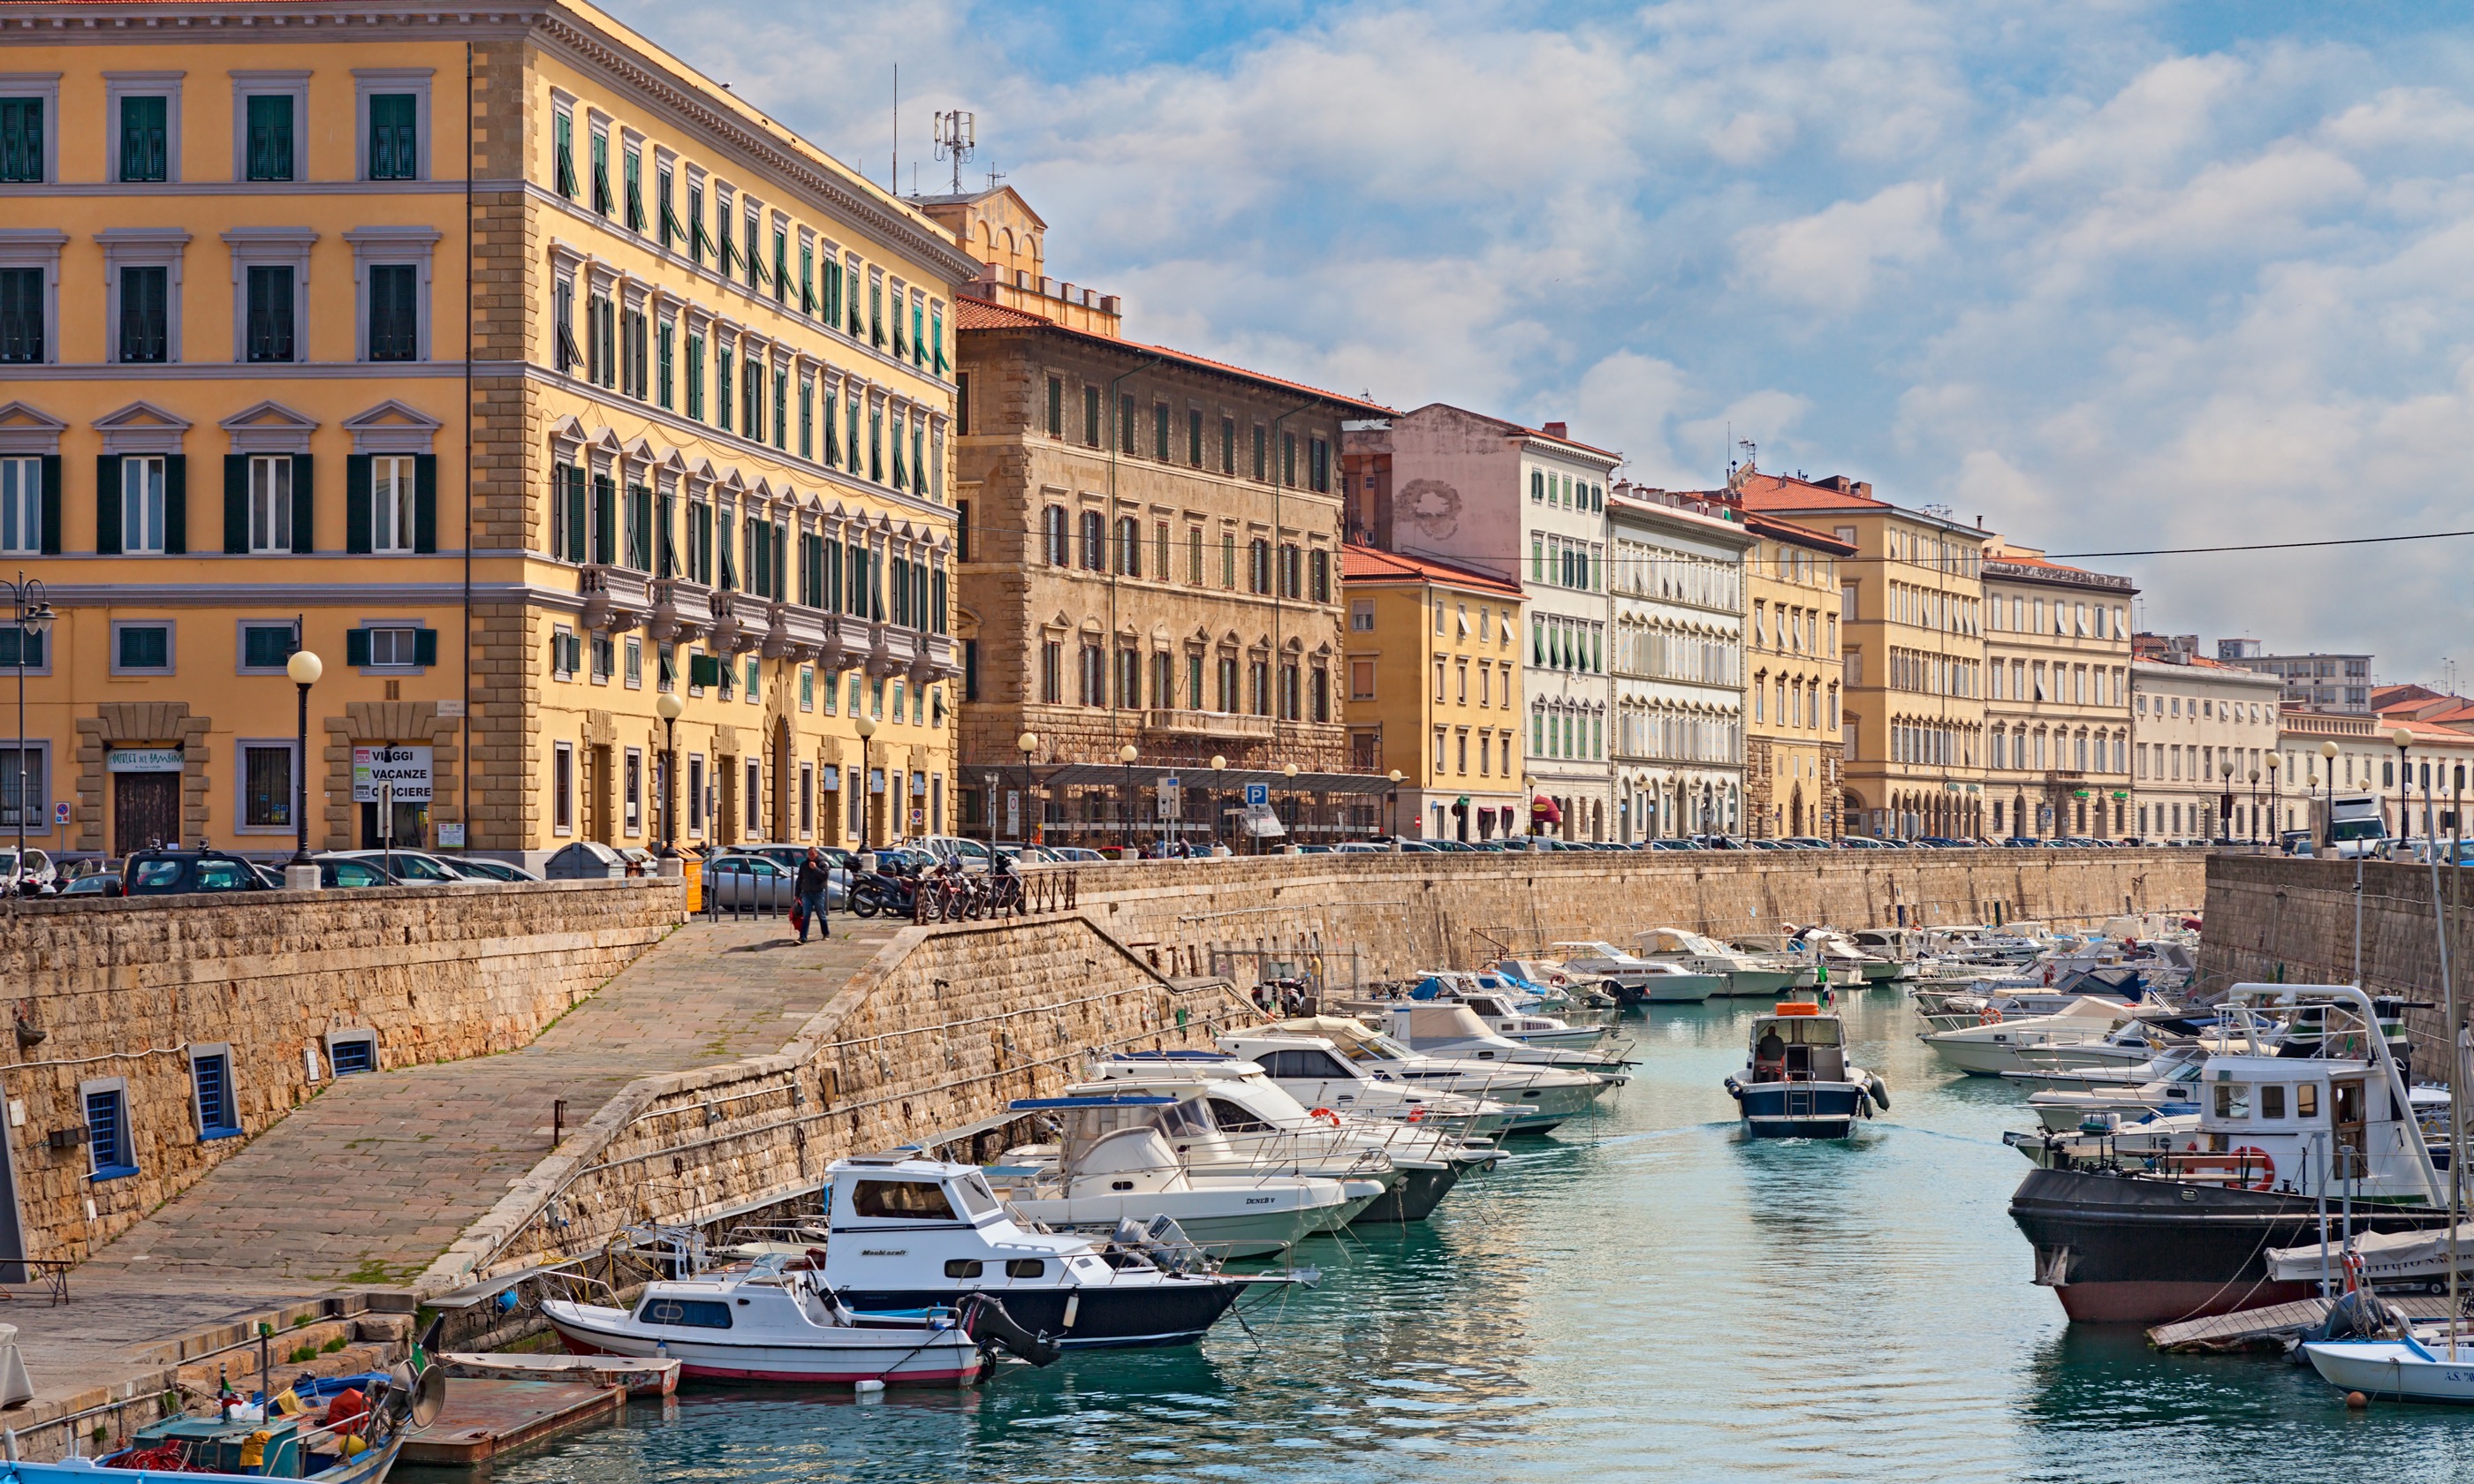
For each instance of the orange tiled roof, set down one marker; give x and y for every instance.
(1373, 564)
(1777, 491)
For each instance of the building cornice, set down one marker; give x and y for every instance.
(2054, 575)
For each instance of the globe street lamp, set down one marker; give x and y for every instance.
(31, 613)
(1027, 744)
(2226, 805)
(1125, 756)
(2253, 836)
(2328, 755)
(304, 668)
(667, 707)
(1219, 764)
(865, 727)
(1289, 770)
(2276, 802)
(1395, 806)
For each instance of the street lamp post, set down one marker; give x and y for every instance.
(2225, 804)
(2276, 802)
(1219, 765)
(2253, 836)
(667, 707)
(1395, 804)
(30, 611)
(1125, 756)
(2328, 759)
(865, 727)
(1289, 772)
(304, 668)
(2403, 737)
(1027, 744)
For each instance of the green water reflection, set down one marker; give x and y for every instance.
(1643, 1294)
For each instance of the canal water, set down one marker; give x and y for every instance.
(1640, 1294)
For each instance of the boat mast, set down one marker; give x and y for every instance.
(2456, 1060)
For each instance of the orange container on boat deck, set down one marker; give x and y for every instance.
(1798, 1008)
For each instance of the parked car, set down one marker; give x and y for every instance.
(480, 870)
(1075, 853)
(349, 871)
(172, 873)
(408, 868)
(25, 878)
(752, 882)
(97, 885)
(837, 867)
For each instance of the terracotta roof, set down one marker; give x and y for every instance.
(972, 314)
(1802, 536)
(1373, 564)
(1777, 491)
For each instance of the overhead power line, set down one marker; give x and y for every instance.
(2193, 551)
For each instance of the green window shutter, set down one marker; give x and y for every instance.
(51, 505)
(106, 505)
(563, 142)
(175, 504)
(235, 502)
(356, 646)
(704, 670)
(356, 503)
(424, 502)
(424, 646)
(937, 330)
(577, 536)
(304, 504)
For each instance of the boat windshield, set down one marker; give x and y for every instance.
(1187, 1119)
(976, 1198)
(900, 1198)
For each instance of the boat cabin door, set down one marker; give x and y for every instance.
(2345, 1108)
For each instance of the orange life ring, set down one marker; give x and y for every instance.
(1325, 1114)
(2235, 1165)
(2267, 1161)
(1990, 1014)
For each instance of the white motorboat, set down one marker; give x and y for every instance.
(909, 1235)
(1529, 1027)
(2406, 1370)
(2077, 1036)
(1797, 1082)
(1257, 1125)
(2178, 1093)
(1635, 980)
(1454, 1031)
(1116, 1163)
(1744, 975)
(774, 1321)
(1847, 962)
(1327, 1061)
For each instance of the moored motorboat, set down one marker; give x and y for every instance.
(355, 1439)
(1742, 974)
(1328, 1062)
(1797, 1082)
(1635, 980)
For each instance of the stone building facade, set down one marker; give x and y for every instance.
(1434, 692)
(2057, 698)
(517, 418)
(2191, 717)
(1675, 581)
(1792, 749)
(1152, 559)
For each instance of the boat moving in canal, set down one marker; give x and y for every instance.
(1797, 1082)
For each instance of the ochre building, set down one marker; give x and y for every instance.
(1793, 712)
(2057, 698)
(1434, 692)
(521, 397)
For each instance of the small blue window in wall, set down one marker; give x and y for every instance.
(217, 1115)
(361, 1054)
(107, 1134)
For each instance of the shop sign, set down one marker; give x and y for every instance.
(142, 759)
(407, 768)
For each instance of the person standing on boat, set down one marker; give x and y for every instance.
(814, 880)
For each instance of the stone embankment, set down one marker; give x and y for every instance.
(2273, 920)
(126, 996)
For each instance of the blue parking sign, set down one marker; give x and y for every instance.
(1258, 793)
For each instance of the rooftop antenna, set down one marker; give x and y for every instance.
(957, 140)
(894, 181)
(994, 176)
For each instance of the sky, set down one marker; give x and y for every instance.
(2111, 275)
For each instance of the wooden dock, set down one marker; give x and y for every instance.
(486, 1418)
(2270, 1327)
(637, 1377)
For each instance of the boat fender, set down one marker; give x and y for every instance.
(1734, 1090)
(1878, 1090)
(1072, 1307)
(984, 1320)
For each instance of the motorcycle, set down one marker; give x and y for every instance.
(872, 892)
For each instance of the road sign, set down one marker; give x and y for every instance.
(1172, 798)
(1258, 794)
(1013, 814)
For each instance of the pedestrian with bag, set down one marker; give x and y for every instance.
(813, 880)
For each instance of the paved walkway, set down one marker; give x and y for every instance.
(371, 1181)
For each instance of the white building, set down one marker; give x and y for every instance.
(2190, 717)
(1676, 578)
(1528, 505)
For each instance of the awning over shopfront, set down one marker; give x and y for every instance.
(1545, 808)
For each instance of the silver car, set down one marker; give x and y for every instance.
(741, 883)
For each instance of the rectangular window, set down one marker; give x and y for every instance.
(142, 504)
(563, 153)
(23, 780)
(392, 495)
(1193, 437)
(562, 788)
(665, 345)
(21, 140)
(266, 786)
(23, 310)
(632, 170)
(807, 418)
(145, 316)
(270, 503)
(1057, 407)
(695, 377)
(1091, 417)
(266, 646)
(268, 313)
(141, 647)
(1260, 446)
(106, 1133)
(21, 511)
(395, 312)
(721, 379)
(269, 136)
(145, 139)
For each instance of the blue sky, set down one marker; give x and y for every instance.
(2109, 275)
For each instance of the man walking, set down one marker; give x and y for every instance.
(811, 886)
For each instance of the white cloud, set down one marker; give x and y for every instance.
(1832, 260)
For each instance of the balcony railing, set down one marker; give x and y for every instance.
(615, 598)
(1210, 724)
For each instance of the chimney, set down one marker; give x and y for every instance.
(1555, 430)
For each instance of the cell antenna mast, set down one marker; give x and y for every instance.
(956, 141)
(893, 181)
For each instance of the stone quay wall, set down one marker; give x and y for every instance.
(127, 993)
(2292, 920)
(1406, 913)
(945, 1026)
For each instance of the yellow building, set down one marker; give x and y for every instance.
(1434, 691)
(1911, 634)
(1793, 712)
(275, 283)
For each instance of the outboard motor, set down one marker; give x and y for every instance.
(986, 1321)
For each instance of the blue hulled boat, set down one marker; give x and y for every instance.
(1797, 1082)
